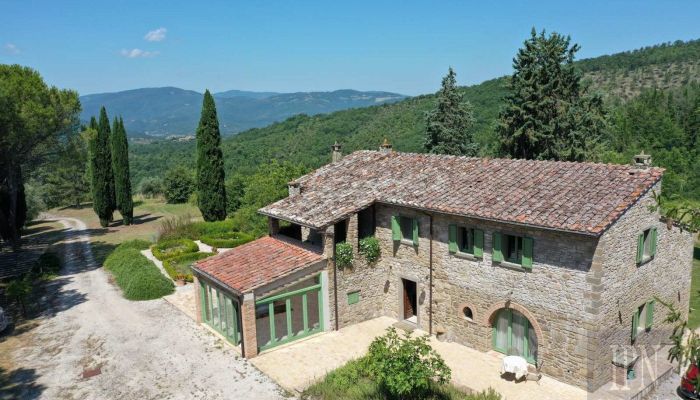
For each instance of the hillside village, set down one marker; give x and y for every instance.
(534, 236)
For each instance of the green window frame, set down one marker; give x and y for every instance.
(224, 317)
(404, 228)
(646, 245)
(286, 297)
(466, 240)
(509, 335)
(513, 249)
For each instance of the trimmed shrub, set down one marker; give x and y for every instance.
(369, 247)
(181, 265)
(343, 255)
(166, 249)
(138, 277)
(226, 239)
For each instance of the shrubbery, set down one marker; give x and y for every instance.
(181, 265)
(138, 277)
(166, 249)
(343, 255)
(369, 247)
(395, 368)
(178, 185)
(226, 239)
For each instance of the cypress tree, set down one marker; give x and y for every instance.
(548, 114)
(449, 125)
(120, 165)
(102, 175)
(211, 191)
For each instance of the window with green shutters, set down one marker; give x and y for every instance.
(646, 245)
(642, 319)
(513, 249)
(463, 240)
(404, 229)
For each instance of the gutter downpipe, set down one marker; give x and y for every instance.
(430, 293)
(335, 284)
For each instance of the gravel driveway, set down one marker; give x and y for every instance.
(137, 350)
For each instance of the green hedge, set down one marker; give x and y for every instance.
(138, 277)
(166, 249)
(226, 240)
(181, 265)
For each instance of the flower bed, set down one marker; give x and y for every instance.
(226, 239)
(166, 249)
(181, 266)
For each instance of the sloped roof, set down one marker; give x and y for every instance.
(258, 263)
(578, 197)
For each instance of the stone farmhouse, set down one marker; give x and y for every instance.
(561, 263)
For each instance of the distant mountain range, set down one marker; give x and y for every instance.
(173, 111)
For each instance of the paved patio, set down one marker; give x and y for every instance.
(292, 368)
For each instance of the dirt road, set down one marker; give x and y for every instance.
(135, 350)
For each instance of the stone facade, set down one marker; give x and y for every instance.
(573, 296)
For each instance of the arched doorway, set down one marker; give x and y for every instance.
(513, 334)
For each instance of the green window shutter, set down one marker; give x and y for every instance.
(453, 239)
(353, 298)
(497, 254)
(415, 231)
(640, 248)
(650, 314)
(635, 324)
(478, 243)
(653, 234)
(527, 252)
(395, 228)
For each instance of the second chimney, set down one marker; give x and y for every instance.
(336, 155)
(385, 147)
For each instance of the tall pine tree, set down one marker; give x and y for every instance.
(449, 125)
(211, 192)
(120, 165)
(102, 175)
(548, 113)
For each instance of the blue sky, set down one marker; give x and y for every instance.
(401, 46)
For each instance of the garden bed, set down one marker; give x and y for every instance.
(138, 277)
(167, 249)
(181, 266)
(226, 240)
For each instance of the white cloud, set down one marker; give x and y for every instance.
(138, 53)
(11, 48)
(156, 35)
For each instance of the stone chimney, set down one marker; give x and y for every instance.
(336, 155)
(642, 160)
(294, 188)
(385, 147)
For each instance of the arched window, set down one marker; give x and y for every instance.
(513, 334)
(468, 313)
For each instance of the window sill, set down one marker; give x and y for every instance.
(513, 266)
(466, 256)
(407, 242)
(645, 261)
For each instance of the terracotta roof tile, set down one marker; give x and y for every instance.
(578, 197)
(270, 258)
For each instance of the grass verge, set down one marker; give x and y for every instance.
(138, 278)
(350, 382)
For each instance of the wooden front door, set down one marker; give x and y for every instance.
(409, 299)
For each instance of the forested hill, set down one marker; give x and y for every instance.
(307, 139)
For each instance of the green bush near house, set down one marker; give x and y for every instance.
(166, 249)
(343, 255)
(182, 265)
(226, 239)
(369, 247)
(138, 277)
(352, 382)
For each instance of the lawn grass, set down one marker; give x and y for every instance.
(137, 276)
(694, 315)
(350, 382)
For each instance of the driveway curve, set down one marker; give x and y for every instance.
(94, 344)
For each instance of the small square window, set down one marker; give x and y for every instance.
(465, 240)
(406, 228)
(513, 249)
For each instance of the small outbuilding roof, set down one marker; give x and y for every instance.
(578, 197)
(258, 263)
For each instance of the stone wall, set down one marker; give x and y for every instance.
(625, 285)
